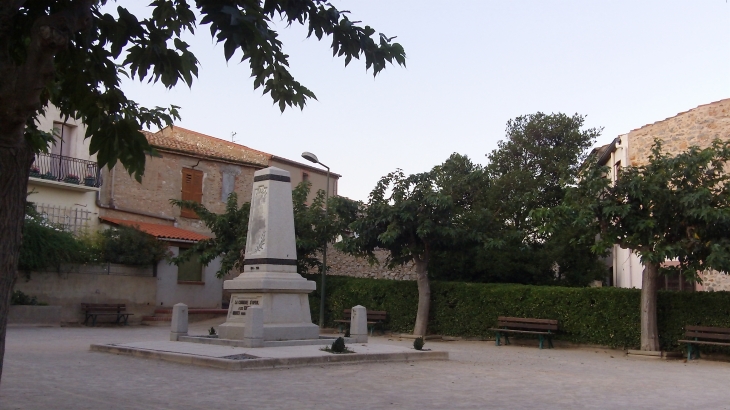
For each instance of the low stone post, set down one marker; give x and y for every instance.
(179, 325)
(253, 332)
(359, 324)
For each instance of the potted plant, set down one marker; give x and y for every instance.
(48, 175)
(89, 180)
(71, 179)
(35, 172)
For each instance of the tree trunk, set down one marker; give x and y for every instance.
(424, 297)
(649, 328)
(15, 164)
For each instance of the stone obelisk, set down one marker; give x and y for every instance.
(270, 279)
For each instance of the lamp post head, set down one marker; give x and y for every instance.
(310, 157)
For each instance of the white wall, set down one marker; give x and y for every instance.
(627, 267)
(169, 292)
(80, 146)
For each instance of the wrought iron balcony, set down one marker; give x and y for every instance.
(69, 170)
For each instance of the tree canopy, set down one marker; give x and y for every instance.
(412, 217)
(72, 54)
(531, 169)
(676, 207)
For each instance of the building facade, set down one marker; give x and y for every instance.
(64, 183)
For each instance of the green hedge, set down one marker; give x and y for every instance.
(602, 316)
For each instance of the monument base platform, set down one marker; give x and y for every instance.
(283, 298)
(272, 332)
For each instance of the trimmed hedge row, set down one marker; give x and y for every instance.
(602, 316)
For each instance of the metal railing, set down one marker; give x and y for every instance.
(70, 170)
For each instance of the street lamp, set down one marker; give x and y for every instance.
(313, 158)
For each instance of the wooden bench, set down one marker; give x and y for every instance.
(375, 318)
(704, 335)
(543, 328)
(94, 310)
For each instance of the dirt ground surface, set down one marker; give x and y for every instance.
(52, 368)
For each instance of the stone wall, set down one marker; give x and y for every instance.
(714, 281)
(341, 264)
(162, 181)
(70, 289)
(698, 126)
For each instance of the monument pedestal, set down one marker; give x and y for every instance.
(283, 299)
(269, 278)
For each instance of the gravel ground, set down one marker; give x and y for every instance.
(52, 368)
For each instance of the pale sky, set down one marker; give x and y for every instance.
(471, 66)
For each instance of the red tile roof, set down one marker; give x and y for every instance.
(184, 140)
(157, 230)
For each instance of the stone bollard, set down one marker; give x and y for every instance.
(359, 324)
(179, 325)
(253, 332)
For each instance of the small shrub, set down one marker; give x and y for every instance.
(338, 346)
(20, 298)
(45, 245)
(130, 246)
(418, 343)
(212, 332)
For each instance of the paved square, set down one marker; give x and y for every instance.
(52, 368)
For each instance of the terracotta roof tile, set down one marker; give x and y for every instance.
(184, 140)
(157, 230)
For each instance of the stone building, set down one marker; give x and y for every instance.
(696, 127)
(198, 167)
(189, 165)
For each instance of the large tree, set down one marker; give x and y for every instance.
(73, 55)
(673, 208)
(529, 170)
(412, 217)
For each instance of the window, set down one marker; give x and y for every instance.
(191, 270)
(63, 139)
(676, 282)
(305, 176)
(192, 190)
(228, 185)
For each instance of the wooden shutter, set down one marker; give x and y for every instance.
(192, 190)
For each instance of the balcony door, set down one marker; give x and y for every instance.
(62, 148)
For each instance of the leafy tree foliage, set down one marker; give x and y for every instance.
(45, 245)
(312, 225)
(72, 54)
(229, 229)
(317, 224)
(531, 169)
(130, 246)
(673, 208)
(412, 217)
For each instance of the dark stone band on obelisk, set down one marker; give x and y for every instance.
(271, 177)
(270, 261)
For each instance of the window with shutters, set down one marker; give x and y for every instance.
(192, 190)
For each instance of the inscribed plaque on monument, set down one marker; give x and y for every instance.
(240, 303)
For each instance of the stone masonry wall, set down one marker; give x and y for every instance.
(163, 181)
(698, 126)
(341, 264)
(714, 281)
